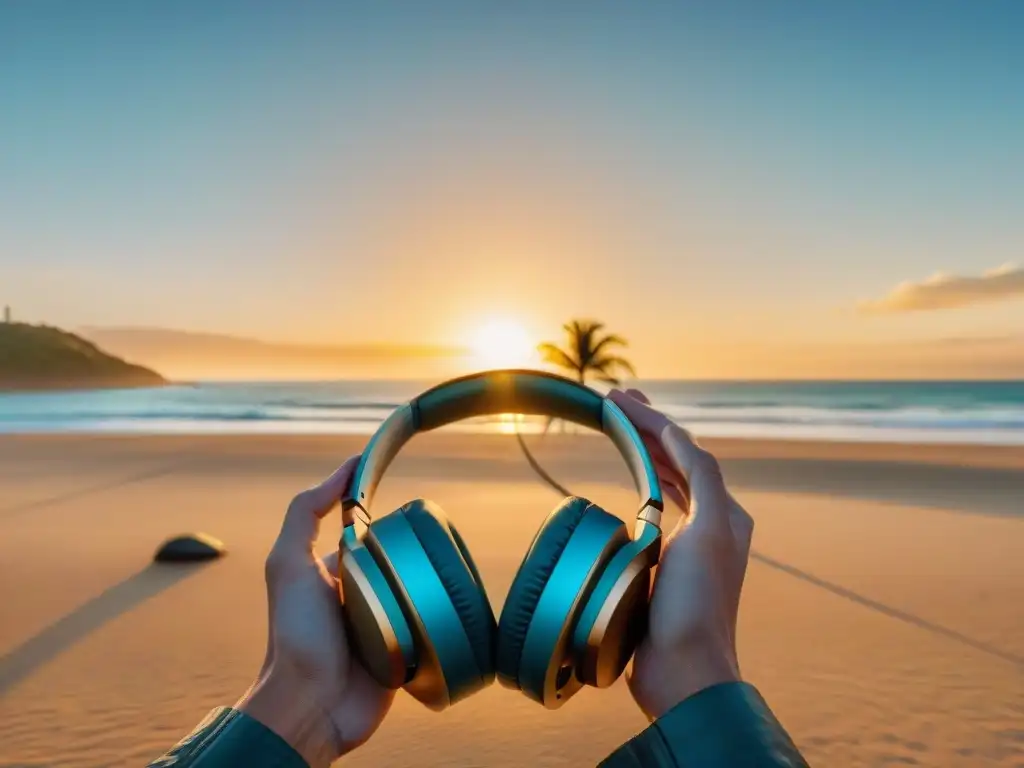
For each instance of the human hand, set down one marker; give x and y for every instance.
(691, 639)
(311, 690)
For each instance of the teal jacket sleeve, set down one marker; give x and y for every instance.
(228, 737)
(724, 726)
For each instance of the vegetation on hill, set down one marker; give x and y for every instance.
(43, 357)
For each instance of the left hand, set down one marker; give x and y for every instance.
(311, 690)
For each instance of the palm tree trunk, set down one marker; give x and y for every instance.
(534, 464)
(538, 468)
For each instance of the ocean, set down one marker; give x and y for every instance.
(934, 412)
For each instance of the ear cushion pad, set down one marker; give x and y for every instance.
(530, 580)
(455, 567)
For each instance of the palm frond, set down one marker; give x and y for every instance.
(610, 362)
(553, 354)
(573, 330)
(611, 340)
(586, 351)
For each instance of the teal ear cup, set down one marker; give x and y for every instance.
(547, 595)
(433, 579)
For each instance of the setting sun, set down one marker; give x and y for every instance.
(502, 344)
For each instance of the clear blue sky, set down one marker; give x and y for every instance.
(338, 172)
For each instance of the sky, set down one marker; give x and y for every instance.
(740, 189)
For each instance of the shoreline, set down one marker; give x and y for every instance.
(956, 454)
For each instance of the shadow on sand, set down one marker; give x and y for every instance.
(953, 488)
(75, 495)
(87, 618)
(886, 610)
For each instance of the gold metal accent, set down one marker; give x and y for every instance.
(361, 517)
(649, 514)
(368, 626)
(619, 626)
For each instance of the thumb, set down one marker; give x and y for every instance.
(636, 394)
(301, 525)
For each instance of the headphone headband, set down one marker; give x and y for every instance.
(505, 391)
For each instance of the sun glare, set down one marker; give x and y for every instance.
(502, 344)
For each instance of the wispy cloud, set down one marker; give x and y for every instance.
(943, 291)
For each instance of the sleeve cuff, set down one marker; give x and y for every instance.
(724, 725)
(229, 737)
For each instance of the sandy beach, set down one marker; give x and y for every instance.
(883, 612)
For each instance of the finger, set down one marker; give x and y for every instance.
(709, 504)
(644, 418)
(677, 496)
(742, 525)
(667, 469)
(673, 485)
(677, 488)
(659, 454)
(667, 473)
(320, 499)
(709, 499)
(302, 520)
(636, 394)
(268, 658)
(330, 563)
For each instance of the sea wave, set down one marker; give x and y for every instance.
(916, 418)
(960, 412)
(331, 404)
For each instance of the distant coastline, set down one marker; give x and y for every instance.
(42, 358)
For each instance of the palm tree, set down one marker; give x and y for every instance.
(585, 352)
(588, 352)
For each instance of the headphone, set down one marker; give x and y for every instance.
(416, 612)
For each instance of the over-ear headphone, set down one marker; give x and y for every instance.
(417, 615)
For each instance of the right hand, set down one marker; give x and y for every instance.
(691, 639)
